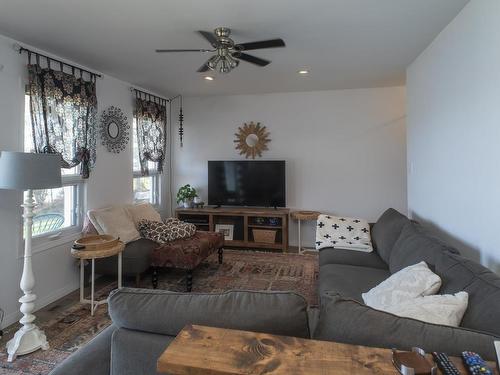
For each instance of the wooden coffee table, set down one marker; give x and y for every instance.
(205, 350)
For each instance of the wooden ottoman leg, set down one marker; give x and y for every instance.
(155, 277)
(221, 255)
(189, 280)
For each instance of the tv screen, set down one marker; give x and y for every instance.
(247, 183)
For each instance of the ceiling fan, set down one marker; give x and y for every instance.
(227, 53)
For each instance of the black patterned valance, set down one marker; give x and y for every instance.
(151, 119)
(63, 115)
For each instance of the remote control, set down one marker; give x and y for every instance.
(444, 364)
(475, 364)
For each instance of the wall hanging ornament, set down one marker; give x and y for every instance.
(252, 139)
(114, 129)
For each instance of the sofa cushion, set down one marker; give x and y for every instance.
(158, 311)
(116, 221)
(349, 281)
(348, 321)
(458, 273)
(415, 245)
(386, 231)
(143, 211)
(136, 352)
(354, 258)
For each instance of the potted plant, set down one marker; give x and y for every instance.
(186, 194)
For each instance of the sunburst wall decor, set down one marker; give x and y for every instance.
(252, 139)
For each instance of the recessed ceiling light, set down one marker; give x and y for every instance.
(208, 78)
(303, 71)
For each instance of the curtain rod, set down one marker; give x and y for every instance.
(23, 49)
(147, 94)
(133, 89)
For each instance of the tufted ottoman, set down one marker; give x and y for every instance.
(186, 254)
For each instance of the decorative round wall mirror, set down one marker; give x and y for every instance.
(114, 129)
(252, 139)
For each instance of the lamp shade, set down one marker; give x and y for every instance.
(23, 171)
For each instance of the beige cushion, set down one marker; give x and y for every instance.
(115, 221)
(447, 309)
(409, 283)
(143, 211)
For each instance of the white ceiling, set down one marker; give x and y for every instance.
(344, 43)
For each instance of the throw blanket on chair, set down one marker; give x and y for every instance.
(168, 231)
(343, 233)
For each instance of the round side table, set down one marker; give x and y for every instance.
(93, 255)
(303, 215)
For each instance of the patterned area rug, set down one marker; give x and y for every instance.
(72, 327)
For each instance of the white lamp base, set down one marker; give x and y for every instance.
(28, 338)
(26, 341)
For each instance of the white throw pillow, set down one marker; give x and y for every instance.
(115, 221)
(446, 309)
(409, 283)
(343, 233)
(143, 211)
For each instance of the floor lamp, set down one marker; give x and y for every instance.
(26, 171)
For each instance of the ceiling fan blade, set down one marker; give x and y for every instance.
(272, 43)
(209, 36)
(184, 50)
(251, 59)
(203, 68)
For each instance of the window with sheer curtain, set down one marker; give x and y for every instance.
(149, 147)
(60, 117)
(145, 188)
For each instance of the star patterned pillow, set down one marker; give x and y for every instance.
(343, 233)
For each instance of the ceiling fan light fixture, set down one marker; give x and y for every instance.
(228, 53)
(213, 61)
(303, 71)
(209, 78)
(233, 63)
(225, 67)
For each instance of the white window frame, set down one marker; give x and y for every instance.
(155, 186)
(66, 235)
(155, 176)
(58, 237)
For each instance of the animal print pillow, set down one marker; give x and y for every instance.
(171, 230)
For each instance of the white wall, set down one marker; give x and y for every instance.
(345, 150)
(453, 91)
(55, 270)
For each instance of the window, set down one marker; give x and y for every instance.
(57, 210)
(146, 189)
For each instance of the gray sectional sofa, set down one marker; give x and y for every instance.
(146, 321)
(399, 242)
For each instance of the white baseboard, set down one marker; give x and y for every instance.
(40, 303)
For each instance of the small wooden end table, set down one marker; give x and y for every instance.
(199, 350)
(303, 215)
(93, 252)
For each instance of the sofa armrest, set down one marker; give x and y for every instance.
(166, 313)
(351, 322)
(94, 358)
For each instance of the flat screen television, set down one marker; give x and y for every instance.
(247, 183)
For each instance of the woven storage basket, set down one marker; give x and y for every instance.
(264, 235)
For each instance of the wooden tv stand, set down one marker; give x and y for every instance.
(244, 221)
